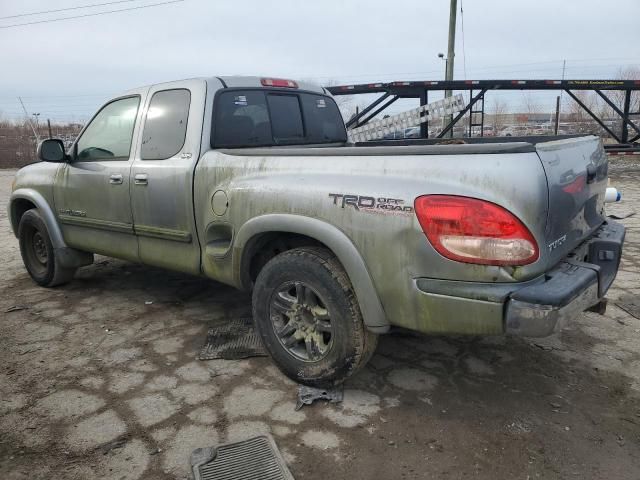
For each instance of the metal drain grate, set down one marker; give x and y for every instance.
(256, 458)
(234, 340)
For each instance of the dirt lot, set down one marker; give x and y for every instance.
(97, 382)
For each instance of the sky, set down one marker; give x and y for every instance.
(65, 70)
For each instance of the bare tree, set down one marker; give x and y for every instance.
(618, 96)
(578, 114)
(346, 103)
(498, 111)
(17, 143)
(629, 73)
(530, 104)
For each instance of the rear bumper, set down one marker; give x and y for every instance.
(538, 310)
(538, 307)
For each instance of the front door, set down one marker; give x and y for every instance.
(162, 176)
(91, 192)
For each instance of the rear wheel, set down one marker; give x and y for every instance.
(37, 252)
(307, 315)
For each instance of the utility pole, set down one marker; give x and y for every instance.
(451, 52)
(557, 114)
(49, 125)
(452, 42)
(559, 99)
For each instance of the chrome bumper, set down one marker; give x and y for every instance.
(530, 319)
(570, 288)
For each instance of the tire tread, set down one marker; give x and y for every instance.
(365, 341)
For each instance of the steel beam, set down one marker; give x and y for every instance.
(356, 119)
(424, 126)
(420, 89)
(619, 112)
(414, 88)
(461, 113)
(625, 111)
(377, 111)
(594, 116)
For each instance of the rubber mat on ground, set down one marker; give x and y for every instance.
(256, 458)
(233, 340)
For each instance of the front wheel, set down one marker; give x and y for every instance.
(306, 312)
(37, 252)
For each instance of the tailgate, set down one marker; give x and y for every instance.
(576, 171)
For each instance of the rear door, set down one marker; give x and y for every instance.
(91, 192)
(162, 176)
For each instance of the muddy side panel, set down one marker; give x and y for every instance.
(369, 199)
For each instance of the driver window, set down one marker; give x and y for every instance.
(108, 136)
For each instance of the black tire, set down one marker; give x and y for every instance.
(305, 295)
(37, 252)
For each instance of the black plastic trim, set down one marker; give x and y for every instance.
(362, 151)
(562, 285)
(531, 139)
(483, 291)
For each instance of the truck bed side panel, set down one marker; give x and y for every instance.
(390, 240)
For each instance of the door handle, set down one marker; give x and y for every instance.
(115, 179)
(141, 179)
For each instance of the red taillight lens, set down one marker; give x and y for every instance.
(475, 231)
(278, 82)
(576, 186)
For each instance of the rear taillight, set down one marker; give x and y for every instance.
(278, 82)
(475, 231)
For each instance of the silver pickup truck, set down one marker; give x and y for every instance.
(252, 182)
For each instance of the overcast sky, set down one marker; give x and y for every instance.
(66, 69)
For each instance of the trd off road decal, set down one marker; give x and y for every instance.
(363, 203)
(72, 213)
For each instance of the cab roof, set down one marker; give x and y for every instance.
(248, 81)
(232, 81)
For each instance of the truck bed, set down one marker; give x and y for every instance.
(418, 146)
(531, 139)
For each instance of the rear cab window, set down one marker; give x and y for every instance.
(272, 117)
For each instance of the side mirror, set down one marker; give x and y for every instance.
(52, 150)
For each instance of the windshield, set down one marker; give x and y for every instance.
(262, 117)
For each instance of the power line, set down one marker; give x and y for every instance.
(551, 68)
(493, 67)
(65, 9)
(63, 96)
(60, 100)
(91, 14)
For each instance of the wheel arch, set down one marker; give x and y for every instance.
(248, 239)
(24, 199)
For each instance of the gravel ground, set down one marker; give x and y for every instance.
(99, 379)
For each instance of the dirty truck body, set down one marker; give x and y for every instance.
(251, 182)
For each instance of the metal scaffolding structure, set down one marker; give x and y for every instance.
(627, 139)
